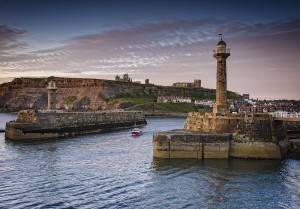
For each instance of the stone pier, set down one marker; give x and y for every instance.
(36, 125)
(209, 135)
(190, 144)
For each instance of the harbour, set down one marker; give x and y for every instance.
(116, 170)
(149, 104)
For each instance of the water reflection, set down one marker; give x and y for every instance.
(291, 184)
(115, 170)
(218, 165)
(222, 183)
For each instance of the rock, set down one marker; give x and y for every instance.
(294, 148)
(91, 94)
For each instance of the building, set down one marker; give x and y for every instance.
(246, 96)
(125, 78)
(174, 99)
(247, 109)
(196, 84)
(221, 54)
(206, 102)
(257, 109)
(182, 84)
(147, 81)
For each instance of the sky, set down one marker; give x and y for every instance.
(166, 41)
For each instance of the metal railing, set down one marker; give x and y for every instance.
(285, 115)
(216, 51)
(51, 111)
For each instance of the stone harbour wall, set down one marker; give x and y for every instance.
(197, 145)
(188, 144)
(251, 127)
(256, 136)
(28, 116)
(253, 135)
(31, 124)
(256, 150)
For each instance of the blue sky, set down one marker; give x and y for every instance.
(165, 41)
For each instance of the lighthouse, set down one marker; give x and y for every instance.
(52, 95)
(221, 53)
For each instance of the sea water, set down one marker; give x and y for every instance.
(116, 170)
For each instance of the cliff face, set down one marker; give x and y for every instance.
(79, 94)
(23, 93)
(72, 93)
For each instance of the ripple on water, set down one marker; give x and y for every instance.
(115, 170)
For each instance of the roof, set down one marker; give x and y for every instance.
(221, 43)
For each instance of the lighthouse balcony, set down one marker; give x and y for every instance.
(222, 51)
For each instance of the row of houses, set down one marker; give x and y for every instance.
(209, 103)
(255, 109)
(174, 99)
(182, 99)
(234, 106)
(266, 109)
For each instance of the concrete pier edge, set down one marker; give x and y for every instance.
(38, 125)
(209, 135)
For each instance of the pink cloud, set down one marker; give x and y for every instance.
(264, 55)
(10, 38)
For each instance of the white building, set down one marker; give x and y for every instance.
(174, 99)
(209, 103)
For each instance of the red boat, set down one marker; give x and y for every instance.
(136, 132)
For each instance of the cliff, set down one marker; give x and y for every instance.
(78, 94)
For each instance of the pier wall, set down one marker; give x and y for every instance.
(251, 127)
(31, 124)
(188, 144)
(191, 144)
(256, 136)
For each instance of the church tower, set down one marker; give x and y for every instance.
(51, 95)
(221, 54)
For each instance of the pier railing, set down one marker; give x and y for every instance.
(51, 111)
(285, 115)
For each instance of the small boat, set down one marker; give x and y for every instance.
(136, 132)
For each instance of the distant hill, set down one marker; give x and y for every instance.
(79, 94)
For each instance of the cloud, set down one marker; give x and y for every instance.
(10, 38)
(167, 50)
(152, 35)
(148, 40)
